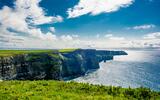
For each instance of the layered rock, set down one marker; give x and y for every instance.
(30, 66)
(54, 65)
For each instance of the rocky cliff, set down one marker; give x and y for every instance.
(55, 65)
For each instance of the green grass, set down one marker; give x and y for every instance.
(66, 50)
(59, 90)
(16, 52)
(6, 53)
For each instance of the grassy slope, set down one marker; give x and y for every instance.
(5, 53)
(58, 90)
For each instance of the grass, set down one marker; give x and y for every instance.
(59, 90)
(16, 52)
(6, 53)
(66, 50)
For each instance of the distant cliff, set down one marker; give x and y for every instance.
(55, 65)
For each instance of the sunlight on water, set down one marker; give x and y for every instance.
(132, 56)
(138, 56)
(138, 68)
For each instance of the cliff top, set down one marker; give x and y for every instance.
(5, 53)
(66, 50)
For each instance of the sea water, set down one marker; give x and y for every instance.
(138, 68)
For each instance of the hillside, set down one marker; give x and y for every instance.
(59, 90)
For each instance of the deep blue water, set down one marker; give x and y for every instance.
(138, 68)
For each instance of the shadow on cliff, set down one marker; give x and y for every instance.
(55, 65)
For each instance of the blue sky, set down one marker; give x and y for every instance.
(139, 13)
(93, 23)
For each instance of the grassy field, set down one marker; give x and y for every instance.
(16, 52)
(5, 53)
(59, 90)
(66, 50)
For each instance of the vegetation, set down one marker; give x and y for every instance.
(5, 53)
(59, 90)
(16, 52)
(66, 50)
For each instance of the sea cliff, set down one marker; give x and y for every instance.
(53, 65)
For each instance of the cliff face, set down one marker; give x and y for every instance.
(79, 62)
(53, 66)
(30, 66)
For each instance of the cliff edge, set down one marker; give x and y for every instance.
(55, 64)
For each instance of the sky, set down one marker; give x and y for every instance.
(79, 24)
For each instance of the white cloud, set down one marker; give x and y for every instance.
(58, 19)
(117, 38)
(151, 40)
(146, 26)
(37, 33)
(69, 37)
(50, 36)
(155, 35)
(24, 17)
(75, 36)
(10, 18)
(9, 39)
(67, 41)
(35, 13)
(108, 35)
(111, 37)
(52, 29)
(95, 7)
(66, 37)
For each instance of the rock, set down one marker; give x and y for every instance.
(54, 65)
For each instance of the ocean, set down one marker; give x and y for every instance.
(138, 68)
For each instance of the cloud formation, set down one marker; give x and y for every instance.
(111, 37)
(52, 29)
(95, 7)
(24, 17)
(143, 27)
(32, 11)
(18, 27)
(155, 35)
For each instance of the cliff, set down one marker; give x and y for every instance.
(53, 65)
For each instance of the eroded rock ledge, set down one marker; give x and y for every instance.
(54, 65)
